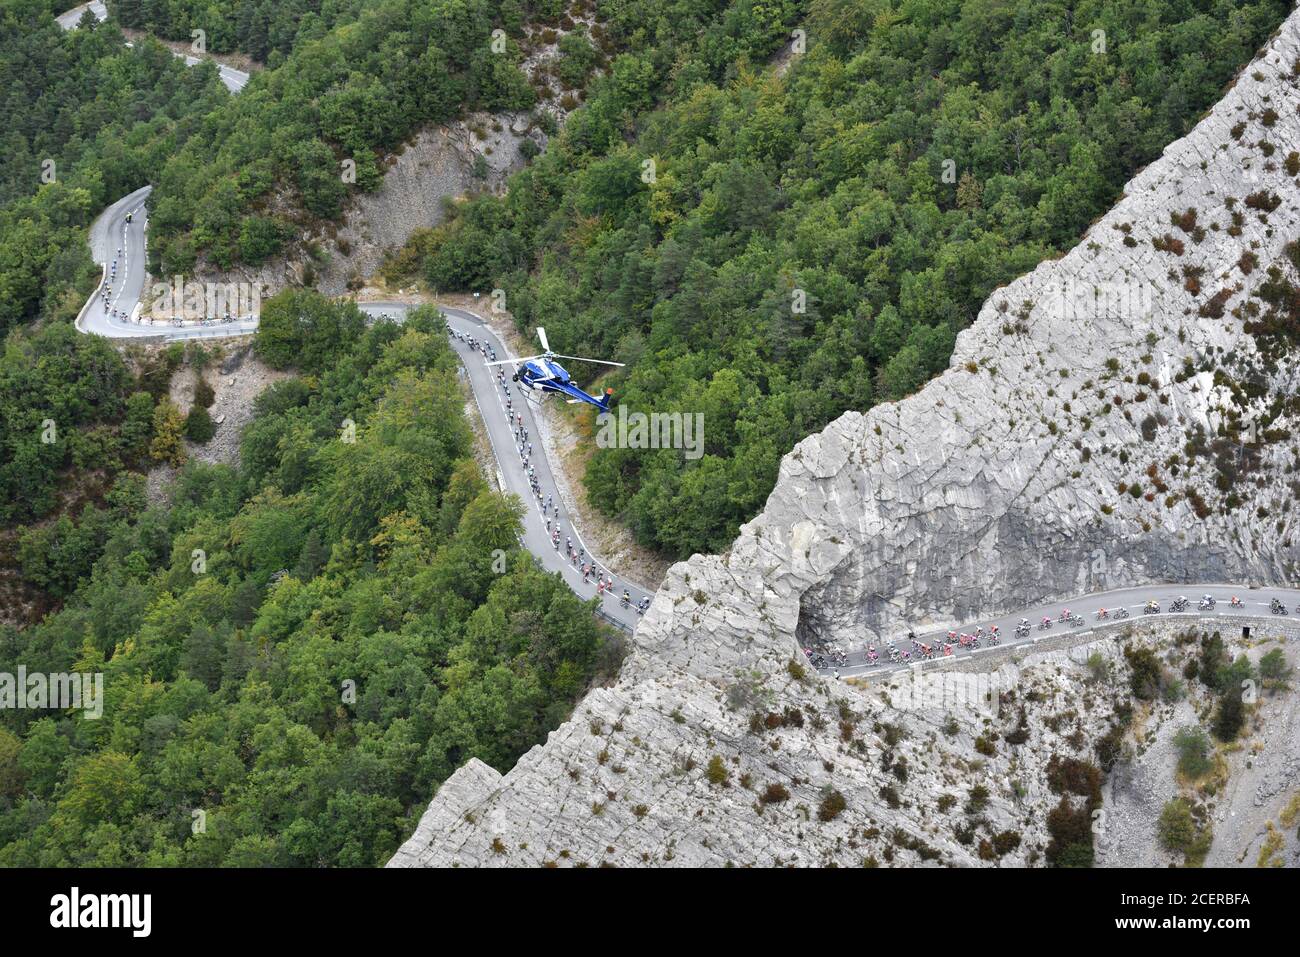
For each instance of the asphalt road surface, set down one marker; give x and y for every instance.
(513, 465)
(1256, 603)
(118, 246)
(70, 18)
(235, 80)
(114, 310)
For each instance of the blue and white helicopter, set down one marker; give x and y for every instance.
(544, 374)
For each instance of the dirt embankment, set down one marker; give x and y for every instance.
(237, 377)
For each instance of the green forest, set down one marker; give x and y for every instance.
(917, 156)
(266, 30)
(83, 121)
(298, 648)
(301, 648)
(269, 162)
(265, 167)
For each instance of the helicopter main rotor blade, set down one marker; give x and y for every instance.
(510, 362)
(602, 362)
(541, 334)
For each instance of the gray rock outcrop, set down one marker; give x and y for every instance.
(1107, 420)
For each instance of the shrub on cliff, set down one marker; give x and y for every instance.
(1071, 829)
(199, 427)
(1229, 717)
(832, 806)
(1193, 747)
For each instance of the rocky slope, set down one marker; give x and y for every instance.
(938, 767)
(1245, 795)
(436, 167)
(1121, 414)
(441, 164)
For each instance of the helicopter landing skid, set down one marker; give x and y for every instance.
(533, 396)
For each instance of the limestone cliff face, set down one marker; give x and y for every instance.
(1107, 420)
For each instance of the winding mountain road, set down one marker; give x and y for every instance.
(1256, 604)
(508, 415)
(117, 244)
(234, 80)
(114, 309)
(111, 233)
(120, 246)
(513, 463)
(118, 240)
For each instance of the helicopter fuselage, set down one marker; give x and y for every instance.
(546, 375)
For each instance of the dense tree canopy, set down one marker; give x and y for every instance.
(65, 402)
(299, 648)
(771, 248)
(84, 120)
(285, 152)
(266, 30)
(362, 621)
